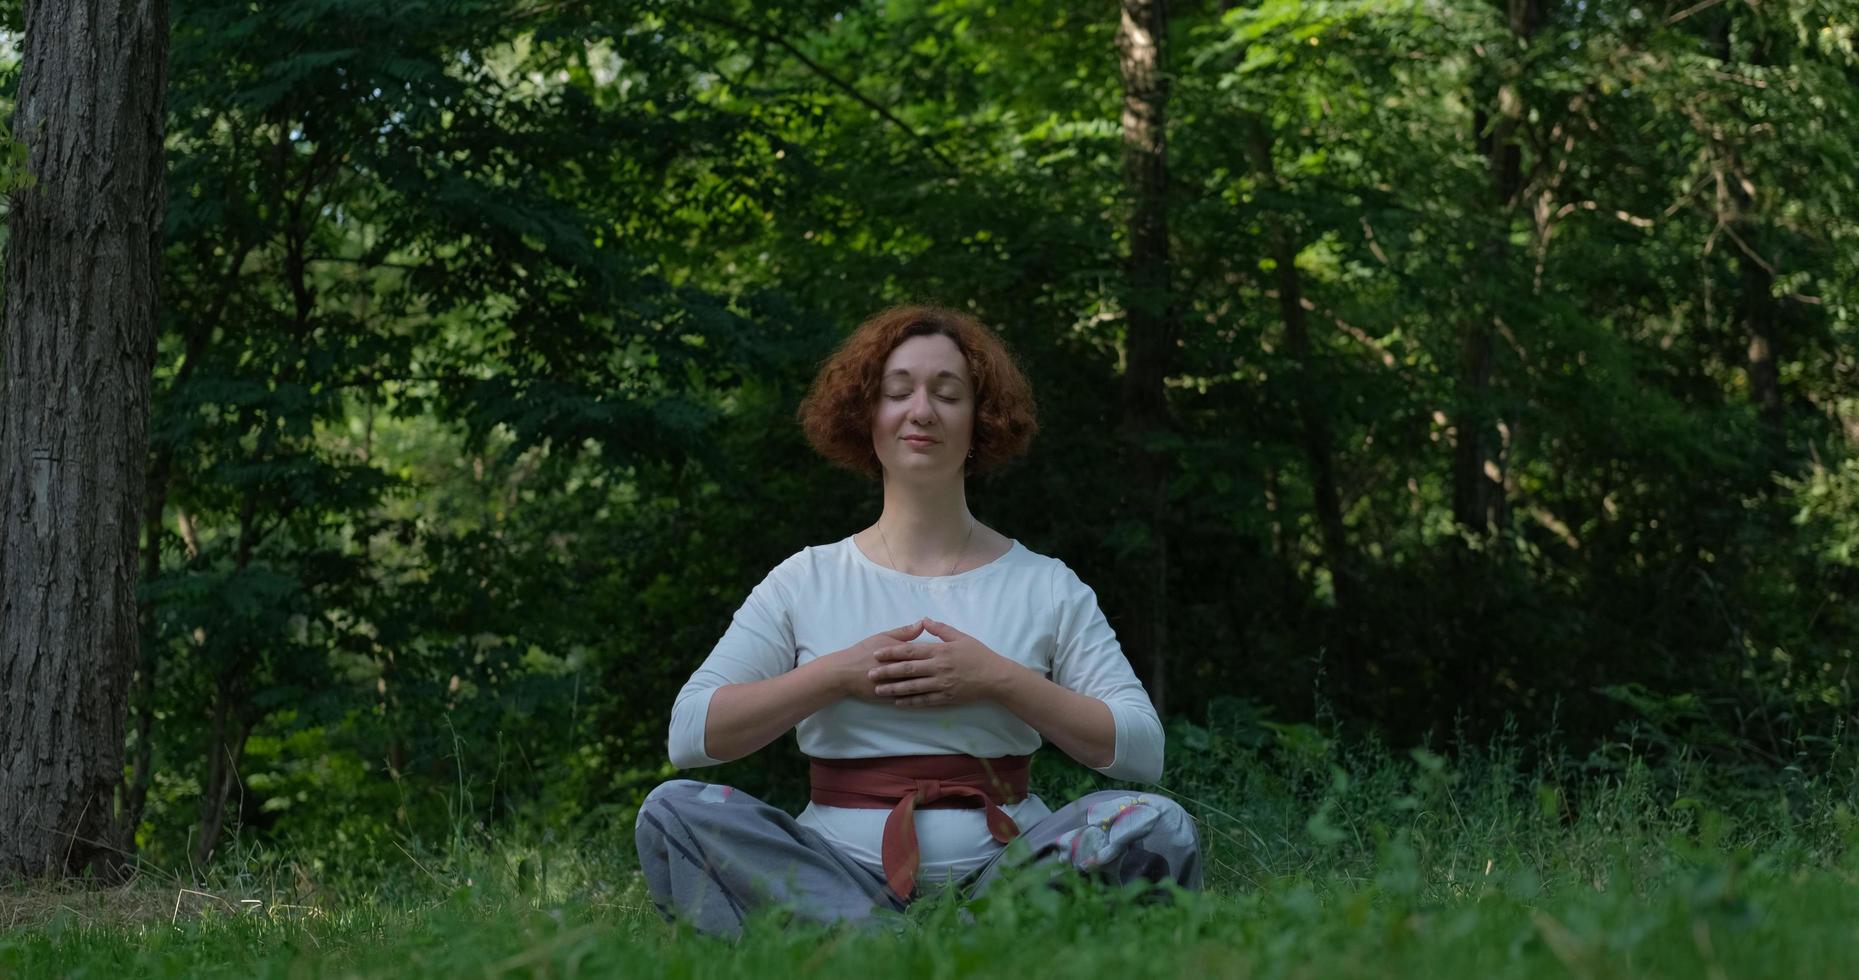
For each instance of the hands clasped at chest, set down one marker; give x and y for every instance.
(959, 670)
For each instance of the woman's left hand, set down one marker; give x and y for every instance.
(959, 670)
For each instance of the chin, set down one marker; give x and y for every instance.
(926, 469)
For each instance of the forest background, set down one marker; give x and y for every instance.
(1425, 371)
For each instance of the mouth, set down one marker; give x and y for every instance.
(920, 440)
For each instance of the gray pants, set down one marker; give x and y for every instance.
(712, 855)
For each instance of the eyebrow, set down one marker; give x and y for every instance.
(940, 374)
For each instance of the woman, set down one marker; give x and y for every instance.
(918, 733)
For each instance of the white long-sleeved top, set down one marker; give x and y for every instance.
(1024, 606)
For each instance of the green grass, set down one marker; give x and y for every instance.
(1324, 862)
(1708, 921)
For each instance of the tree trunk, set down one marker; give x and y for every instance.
(1471, 486)
(1312, 419)
(1761, 319)
(232, 711)
(1149, 312)
(1760, 312)
(80, 280)
(225, 755)
(141, 773)
(1476, 497)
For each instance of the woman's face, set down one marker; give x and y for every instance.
(925, 416)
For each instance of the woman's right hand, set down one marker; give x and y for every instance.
(744, 717)
(853, 664)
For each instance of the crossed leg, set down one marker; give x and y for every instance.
(713, 854)
(1115, 835)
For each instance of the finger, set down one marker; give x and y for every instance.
(906, 651)
(906, 688)
(909, 632)
(893, 672)
(944, 632)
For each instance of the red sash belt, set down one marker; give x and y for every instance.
(905, 782)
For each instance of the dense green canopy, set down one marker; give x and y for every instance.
(484, 324)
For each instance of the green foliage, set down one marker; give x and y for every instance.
(15, 173)
(484, 327)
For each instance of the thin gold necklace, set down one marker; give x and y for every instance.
(958, 555)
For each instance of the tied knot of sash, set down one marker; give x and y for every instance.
(902, 783)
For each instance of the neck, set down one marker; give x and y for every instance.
(925, 523)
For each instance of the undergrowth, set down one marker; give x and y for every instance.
(1325, 857)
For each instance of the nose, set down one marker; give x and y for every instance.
(922, 408)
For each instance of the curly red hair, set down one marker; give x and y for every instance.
(836, 414)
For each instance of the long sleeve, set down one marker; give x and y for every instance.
(1090, 661)
(759, 644)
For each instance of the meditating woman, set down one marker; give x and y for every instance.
(919, 733)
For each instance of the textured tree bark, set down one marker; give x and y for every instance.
(1150, 319)
(80, 278)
